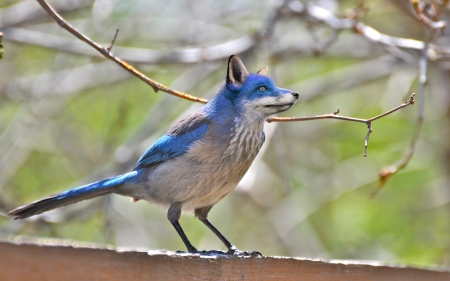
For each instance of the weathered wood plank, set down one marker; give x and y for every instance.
(73, 261)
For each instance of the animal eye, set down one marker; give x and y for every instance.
(262, 88)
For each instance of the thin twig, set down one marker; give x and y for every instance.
(109, 48)
(182, 55)
(387, 173)
(311, 11)
(20, 12)
(429, 22)
(334, 115)
(155, 85)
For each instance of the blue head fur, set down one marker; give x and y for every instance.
(255, 95)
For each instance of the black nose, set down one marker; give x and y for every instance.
(295, 95)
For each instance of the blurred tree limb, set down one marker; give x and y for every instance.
(312, 13)
(428, 12)
(335, 115)
(106, 53)
(312, 10)
(316, 13)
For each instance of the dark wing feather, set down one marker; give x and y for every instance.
(177, 141)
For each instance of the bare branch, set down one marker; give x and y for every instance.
(334, 115)
(109, 48)
(432, 24)
(366, 141)
(186, 55)
(317, 13)
(26, 11)
(388, 172)
(435, 13)
(155, 85)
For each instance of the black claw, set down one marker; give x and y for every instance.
(244, 254)
(256, 254)
(205, 253)
(233, 252)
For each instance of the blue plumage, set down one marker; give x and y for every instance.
(200, 159)
(98, 186)
(65, 198)
(170, 146)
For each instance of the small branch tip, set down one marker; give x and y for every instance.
(109, 48)
(411, 99)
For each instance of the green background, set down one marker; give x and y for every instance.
(68, 119)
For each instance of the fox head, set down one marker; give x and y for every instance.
(255, 94)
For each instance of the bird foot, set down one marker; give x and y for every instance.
(233, 252)
(204, 253)
(244, 254)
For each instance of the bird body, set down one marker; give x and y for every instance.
(200, 159)
(210, 168)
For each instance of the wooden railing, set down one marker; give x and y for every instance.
(58, 260)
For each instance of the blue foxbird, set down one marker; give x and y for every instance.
(200, 159)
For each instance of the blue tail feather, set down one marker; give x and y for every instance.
(81, 193)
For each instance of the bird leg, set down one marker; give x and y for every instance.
(202, 214)
(173, 215)
(190, 248)
(231, 247)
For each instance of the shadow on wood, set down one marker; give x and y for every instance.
(46, 259)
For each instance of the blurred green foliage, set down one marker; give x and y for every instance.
(309, 192)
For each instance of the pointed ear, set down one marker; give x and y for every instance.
(236, 73)
(263, 71)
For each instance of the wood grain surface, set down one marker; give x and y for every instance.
(64, 260)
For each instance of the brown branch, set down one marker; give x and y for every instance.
(109, 48)
(185, 55)
(105, 52)
(316, 13)
(427, 21)
(334, 115)
(23, 12)
(387, 173)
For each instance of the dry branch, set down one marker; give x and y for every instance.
(432, 19)
(334, 115)
(109, 48)
(429, 16)
(186, 55)
(311, 11)
(393, 44)
(388, 172)
(317, 12)
(106, 53)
